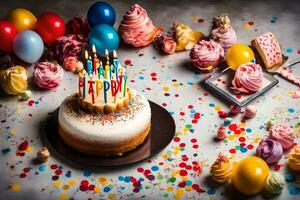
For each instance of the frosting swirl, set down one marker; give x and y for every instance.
(136, 27)
(269, 150)
(274, 183)
(221, 169)
(294, 159)
(282, 134)
(14, 80)
(226, 36)
(248, 79)
(206, 55)
(47, 75)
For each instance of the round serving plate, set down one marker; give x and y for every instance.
(161, 134)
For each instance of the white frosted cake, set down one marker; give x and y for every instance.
(104, 117)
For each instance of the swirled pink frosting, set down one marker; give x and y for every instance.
(269, 150)
(282, 134)
(226, 36)
(248, 79)
(136, 27)
(47, 75)
(206, 55)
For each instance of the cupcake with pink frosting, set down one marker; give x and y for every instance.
(47, 75)
(136, 27)
(282, 134)
(206, 55)
(223, 33)
(269, 150)
(248, 79)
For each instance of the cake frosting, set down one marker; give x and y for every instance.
(248, 78)
(14, 80)
(137, 28)
(268, 48)
(221, 169)
(274, 183)
(282, 134)
(206, 55)
(224, 32)
(103, 134)
(104, 117)
(294, 159)
(186, 38)
(47, 75)
(269, 150)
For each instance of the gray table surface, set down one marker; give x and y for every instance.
(20, 121)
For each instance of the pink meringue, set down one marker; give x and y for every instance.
(282, 134)
(248, 79)
(206, 55)
(136, 27)
(234, 109)
(269, 150)
(250, 111)
(73, 64)
(47, 75)
(224, 33)
(221, 135)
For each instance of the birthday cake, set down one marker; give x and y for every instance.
(104, 117)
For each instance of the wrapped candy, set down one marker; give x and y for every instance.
(165, 42)
(186, 38)
(14, 80)
(69, 45)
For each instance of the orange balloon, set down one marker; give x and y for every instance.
(22, 19)
(250, 174)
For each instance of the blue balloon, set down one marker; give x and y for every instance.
(28, 46)
(104, 37)
(101, 13)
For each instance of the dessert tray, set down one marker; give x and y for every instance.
(161, 134)
(221, 82)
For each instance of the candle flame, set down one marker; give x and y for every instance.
(115, 54)
(94, 49)
(86, 54)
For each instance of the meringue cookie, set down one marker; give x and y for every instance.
(248, 79)
(250, 111)
(206, 55)
(14, 80)
(294, 159)
(282, 134)
(224, 33)
(25, 95)
(274, 183)
(43, 154)
(234, 109)
(136, 27)
(221, 169)
(48, 75)
(186, 38)
(221, 134)
(269, 150)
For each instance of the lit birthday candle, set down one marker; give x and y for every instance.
(88, 63)
(107, 67)
(95, 60)
(116, 63)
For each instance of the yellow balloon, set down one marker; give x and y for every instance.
(250, 174)
(22, 19)
(239, 54)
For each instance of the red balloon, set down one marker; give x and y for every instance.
(7, 35)
(50, 26)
